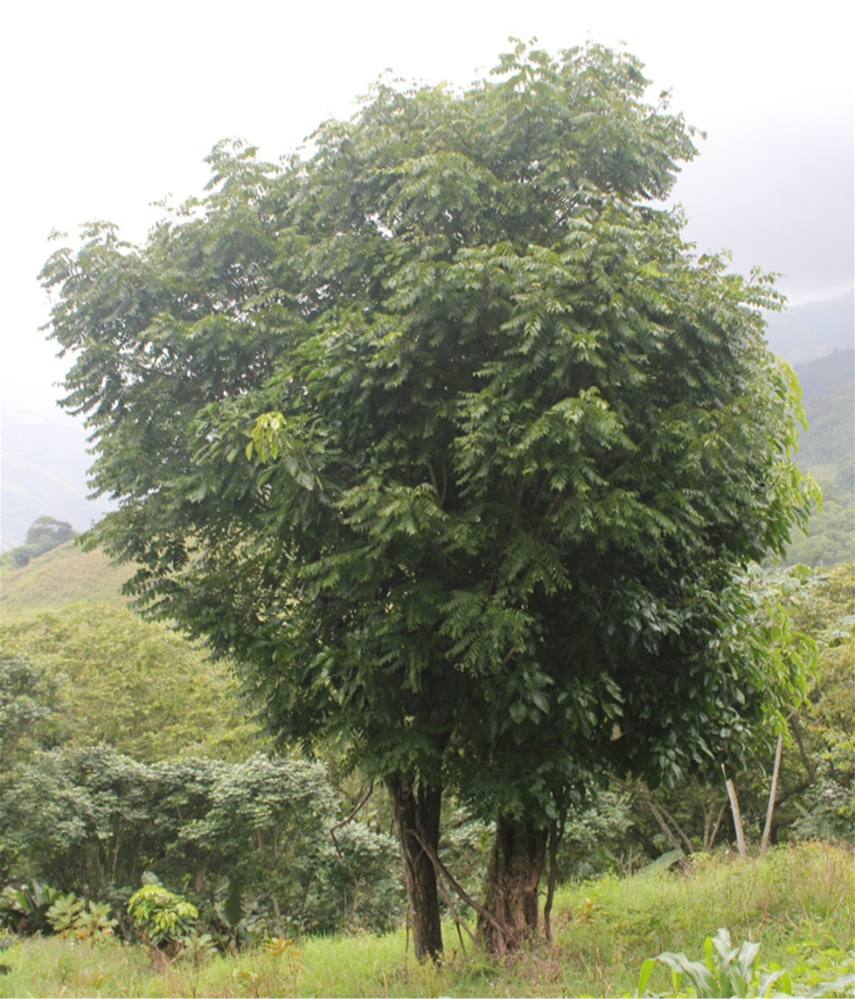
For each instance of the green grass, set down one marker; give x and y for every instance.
(798, 902)
(65, 575)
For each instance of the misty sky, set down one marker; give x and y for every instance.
(108, 107)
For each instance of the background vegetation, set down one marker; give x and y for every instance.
(827, 452)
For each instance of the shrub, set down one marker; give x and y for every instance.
(161, 917)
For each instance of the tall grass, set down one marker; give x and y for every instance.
(795, 901)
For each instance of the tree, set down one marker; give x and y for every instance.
(58, 531)
(27, 695)
(445, 436)
(44, 534)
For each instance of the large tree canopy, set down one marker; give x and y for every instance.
(446, 436)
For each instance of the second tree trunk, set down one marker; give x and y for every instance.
(513, 876)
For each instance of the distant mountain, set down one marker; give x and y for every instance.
(827, 448)
(43, 474)
(816, 329)
(826, 374)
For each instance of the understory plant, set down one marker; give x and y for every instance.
(81, 918)
(731, 971)
(25, 910)
(161, 917)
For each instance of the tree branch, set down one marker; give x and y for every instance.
(737, 814)
(458, 888)
(350, 817)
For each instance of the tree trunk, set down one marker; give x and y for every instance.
(416, 807)
(516, 863)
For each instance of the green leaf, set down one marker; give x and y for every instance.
(644, 976)
(518, 711)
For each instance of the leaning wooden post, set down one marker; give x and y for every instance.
(770, 811)
(737, 815)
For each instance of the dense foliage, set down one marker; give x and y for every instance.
(248, 840)
(135, 685)
(446, 437)
(249, 843)
(817, 775)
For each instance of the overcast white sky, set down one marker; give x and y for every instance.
(108, 107)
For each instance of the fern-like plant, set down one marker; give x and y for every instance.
(64, 912)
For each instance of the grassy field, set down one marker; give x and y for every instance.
(65, 575)
(797, 902)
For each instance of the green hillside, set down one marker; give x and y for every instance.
(827, 374)
(827, 452)
(58, 578)
(827, 449)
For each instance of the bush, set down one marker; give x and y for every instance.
(88, 819)
(161, 917)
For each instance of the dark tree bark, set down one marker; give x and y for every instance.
(513, 875)
(416, 806)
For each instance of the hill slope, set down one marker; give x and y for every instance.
(65, 575)
(828, 394)
(806, 332)
(827, 452)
